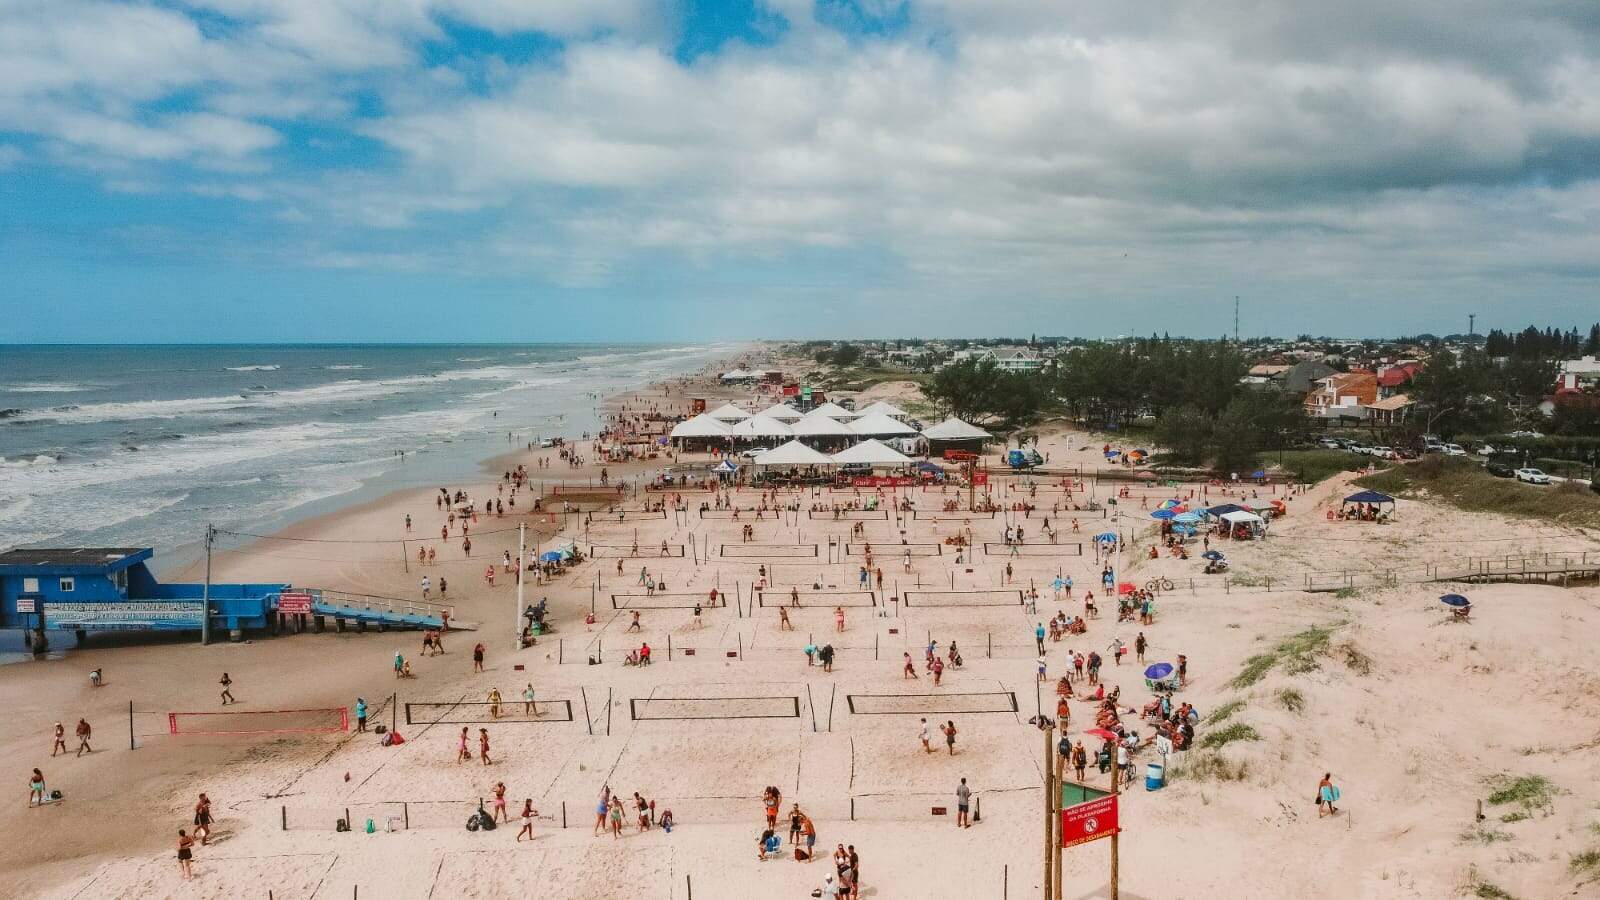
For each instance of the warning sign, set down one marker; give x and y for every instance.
(1088, 821)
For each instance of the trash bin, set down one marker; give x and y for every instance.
(1155, 775)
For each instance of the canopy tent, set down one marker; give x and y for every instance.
(1188, 518)
(953, 429)
(1162, 513)
(820, 426)
(701, 426)
(740, 375)
(1223, 509)
(793, 453)
(883, 408)
(762, 427)
(1242, 517)
(831, 410)
(1372, 497)
(727, 412)
(782, 412)
(879, 424)
(726, 467)
(872, 453)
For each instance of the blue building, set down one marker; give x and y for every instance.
(111, 589)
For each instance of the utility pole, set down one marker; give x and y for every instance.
(1472, 324)
(205, 592)
(1236, 318)
(521, 570)
(1050, 790)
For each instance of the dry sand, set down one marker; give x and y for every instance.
(1414, 715)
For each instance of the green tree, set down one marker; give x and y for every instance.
(1185, 432)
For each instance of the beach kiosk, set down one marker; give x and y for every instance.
(84, 589)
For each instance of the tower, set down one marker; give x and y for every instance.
(1472, 323)
(1236, 318)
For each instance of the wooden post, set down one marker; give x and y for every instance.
(1049, 811)
(1061, 771)
(283, 818)
(1116, 781)
(130, 725)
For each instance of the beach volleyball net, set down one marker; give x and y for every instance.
(485, 713)
(816, 599)
(633, 551)
(664, 708)
(1046, 549)
(931, 704)
(963, 598)
(892, 551)
(769, 551)
(328, 720)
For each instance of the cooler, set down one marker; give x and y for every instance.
(1155, 775)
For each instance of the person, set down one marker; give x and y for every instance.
(185, 855)
(697, 614)
(768, 843)
(830, 888)
(361, 714)
(938, 670)
(1080, 760)
(494, 703)
(463, 753)
(963, 798)
(615, 818)
(477, 657)
(1038, 637)
(399, 663)
(910, 668)
(36, 788)
(499, 791)
(811, 653)
(1327, 794)
(826, 655)
(483, 746)
(855, 870)
(528, 812)
(794, 825)
(1139, 643)
(227, 694)
(202, 819)
(634, 625)
(838, 617)
(1042, 668)
(601, 810)
(923, 735)
(61, 738)
(949, 730)
(783, 620)
(528, 708)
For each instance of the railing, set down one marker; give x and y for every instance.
(374, 603)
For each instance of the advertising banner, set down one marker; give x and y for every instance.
(135, 615)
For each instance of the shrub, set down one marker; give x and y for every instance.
(1221, 713)
(1238, 731)
(1291, 700)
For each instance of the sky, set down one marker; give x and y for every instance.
(523, 170)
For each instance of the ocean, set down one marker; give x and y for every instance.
(145, 445)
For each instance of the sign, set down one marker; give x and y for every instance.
(980, 477)
(1089, 821)
(293, 602)
(27, 605)
(136, 615)
(883, 481)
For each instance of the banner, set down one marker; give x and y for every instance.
(139, 615)
(292, 602)
(1088, 821)
(883, 481)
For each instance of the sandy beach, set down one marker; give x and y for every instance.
(1417, 717)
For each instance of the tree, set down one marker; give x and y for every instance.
(979, 390)
(1185, 432)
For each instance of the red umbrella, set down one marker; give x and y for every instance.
(1102, 734)
(1126, 588)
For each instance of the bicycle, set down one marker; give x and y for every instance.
(1155, 585)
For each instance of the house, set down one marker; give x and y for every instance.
(1392, 380)
(1342, 395)
(1010, 359)
(1390, 410)
(1303, 375)
(1579, 374)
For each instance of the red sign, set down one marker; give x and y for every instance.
(883, 481)
(1089, 821)
(980, 477)
(294, 602)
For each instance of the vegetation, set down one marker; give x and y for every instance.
(980, 391)
(1477, 887)
(1234, 438)
(1586, 865)
(1292, 700)
(1297, 654)
(1312, 466)
(1465, 485)
(1221, 713)
(1482, 835)
(1209, 766)
(1222, 737)
(1530, 792)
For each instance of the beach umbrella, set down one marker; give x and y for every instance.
(1126, 588)
(1103, 734)
(1455, 600)
(1211, 555)
(1105, 537)
(1259, 473)
(1158, 671)
(1168, 504)
(1113, 454)
(1162, 514)
(1186, 518)
(550, 556)
(1184, 530)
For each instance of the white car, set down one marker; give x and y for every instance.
(1362, 449)
(1526, 434)
(1487, 450)
(1532, 476)
(1453, 450)
(1384, 453)
(754, 452)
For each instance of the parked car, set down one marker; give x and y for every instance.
(1384, 453)
(1331, 444)
(1487, 450)
(1407, 453)
(1453, 450)
(754, 452)
(1362, 449)
(1531, 475)
(1499, 468)
(1526, 434)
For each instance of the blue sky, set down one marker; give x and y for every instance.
(204, 170)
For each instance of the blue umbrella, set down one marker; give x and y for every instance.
(1158, 671)
(1211, 555)
(1455, 600)
(1106, 537)
(1259, 473)
(1184, 530)
(1187, 518)
(1162, 514)
(550, 556)
(1113, 454)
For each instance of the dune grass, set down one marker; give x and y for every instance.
(1530, 792)
(1221, 713)
(1297, 654)
(1312, 466)
(1222, 737)
(1467, 486)
(1209, 766)
(1292, 700)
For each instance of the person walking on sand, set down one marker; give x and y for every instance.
(615, 818)
(963, 799)
(923, 735)
(494, 703)
(911, 668)
(399, 663)
(227, 694)
(528, 707)
(60, 745)
(1038, 636)
(427, 587)
(202, 819)
(838, 619)
(477, 657)
(1327, 795)
(528, 814)
(463, 752)
(938, 670)
(361, 715)
(601, 810)
(949, 730)
(1139, 643)
(483, 746)
(185, 855)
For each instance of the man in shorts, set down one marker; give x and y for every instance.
(924, 737)
(963, 799)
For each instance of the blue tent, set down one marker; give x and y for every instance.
(1105, 537)
(1187, 518)
(1225, 508)
(550, 556)
(1369, 497)
(726, 467)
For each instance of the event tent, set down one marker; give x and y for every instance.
(793, 453)
(953, 429)
(782, 412)
(873, 453)
(701, 426)
(1369, 497)
(739, 375)
(727, 412)
(883, 408)
(1241, 517)
(831, 410)
(761, 427)
(879, 424)
(821, 426)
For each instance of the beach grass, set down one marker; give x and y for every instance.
(1297, 654)
(1210, 766)
(1477, 887)
(1312, 466)
(1530, 792)
(1292, 700)
(1485, 836)
(1586, 864)
(1467, 486)
(1223, 712)
(1222, 737)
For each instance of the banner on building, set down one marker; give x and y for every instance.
(130, 615)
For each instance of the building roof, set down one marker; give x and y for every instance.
(1390, 404)
(880, 424)
(873, 453)
(882, 407)
(830, 410)
(953, 429)
(1302, 375)
(820, 426)
(780, 411)
(1344, 382)
(1395, 376)
(761, 426)
(107, 558)
(727, 412)
(793, 453)
(701, 426)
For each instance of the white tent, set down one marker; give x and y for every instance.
(727, 412)
(793, 453)
(782, 412)
(831, 410)
(760, 426)
(701, 426)
(882, 408)
(821, 426)
(880, 424)
(1240, 517)
(1258, 505)
(871, 453)
(953, 429)
(738, 375)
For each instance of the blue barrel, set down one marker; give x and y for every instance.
(1155, 775)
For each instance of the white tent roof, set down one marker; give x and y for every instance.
(701, 426)
(780, 411)
(831, 410)
(761, 426)
(793, 453)
(727, 412)
(953, 429)
(873, 453)
(820, 426)
(878, 423)
(883, 407)
(737, 374)
(1239, 517)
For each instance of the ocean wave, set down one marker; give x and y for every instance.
(254, 368)
(46, 387)
(28, 462)
(344, 368)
